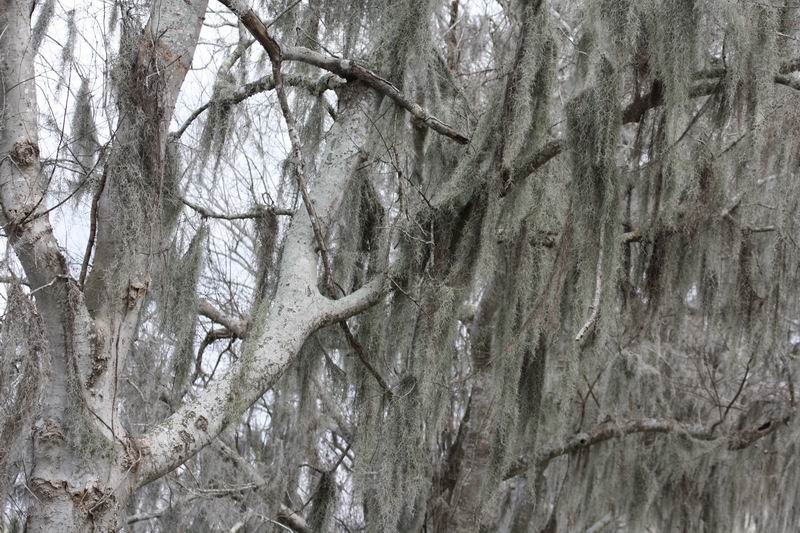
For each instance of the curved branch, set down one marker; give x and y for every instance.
(236, 326)
(346, 68)
(605, 431)
(350, 70)
(264, 84)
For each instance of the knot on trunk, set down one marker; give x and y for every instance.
(46, 489)
(93, 499)
(136, 291)
(24, 153)
(48, 429)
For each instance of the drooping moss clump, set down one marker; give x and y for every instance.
(643, 269)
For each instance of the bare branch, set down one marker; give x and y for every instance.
(350, 70)
(92, 228)
(735, 396)
(236, 326)
(264, 84)
(539, 158)
(258, 212)
(605, 431)
(346, 68)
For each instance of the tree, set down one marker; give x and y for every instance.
(525, 266)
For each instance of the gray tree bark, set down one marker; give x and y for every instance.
(86, 464)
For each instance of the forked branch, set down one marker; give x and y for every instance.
(346, 68)
(319, 235)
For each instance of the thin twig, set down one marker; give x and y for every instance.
(92, 228)
(735, 396)
(50, 284)
(261, 85)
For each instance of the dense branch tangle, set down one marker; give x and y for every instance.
(620, 322)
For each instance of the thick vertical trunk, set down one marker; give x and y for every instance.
(67, 508)
(85, 465)
(74, 476)
(468, 497)
(138, 201)
(82, 470)
(467, 501)
(58, 513)
(58, 474)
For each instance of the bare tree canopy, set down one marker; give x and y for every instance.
(456, 265)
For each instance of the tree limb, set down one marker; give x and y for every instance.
(737, 440)
(598, 292)
(236, 326)
(346, 68)
(350, 70)
(92, 228)
(258, 212)
(264, 84)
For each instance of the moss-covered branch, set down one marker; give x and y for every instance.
(734, 441)
(634, 112)
(346, 68)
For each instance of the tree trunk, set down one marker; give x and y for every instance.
(68, 508)
(81, 476)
